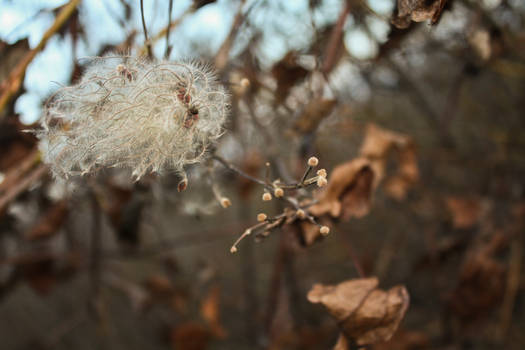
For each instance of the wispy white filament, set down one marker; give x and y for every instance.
(132, 113)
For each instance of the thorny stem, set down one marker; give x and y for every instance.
(146, 40)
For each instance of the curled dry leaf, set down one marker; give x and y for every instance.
(367, 315)
(315, 111)
(417, 11)
(378, 143)
(348, 192)
(287, 72)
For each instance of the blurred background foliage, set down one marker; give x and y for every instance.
(107, 263)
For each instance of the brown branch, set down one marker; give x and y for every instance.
(14, 80)
(335, 40)
(147, 43)
(22, 185)
(221, 59)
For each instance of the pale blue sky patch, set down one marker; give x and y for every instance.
(359, 44)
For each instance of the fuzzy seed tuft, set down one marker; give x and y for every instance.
(136, 114)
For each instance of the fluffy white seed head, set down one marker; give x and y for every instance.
(136, 114)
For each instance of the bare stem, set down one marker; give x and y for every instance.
(168, 29)
(146, 40)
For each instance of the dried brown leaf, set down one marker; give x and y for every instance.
(481, 282)
(466, 212)
(50, 222)
(210, 311)
(159, 286)
(367, 314)
(417, 11)
(348, 192)
(377, 145)
(315, 111)
(287, 72)
(190, 336)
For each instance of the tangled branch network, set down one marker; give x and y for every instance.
(133, 113)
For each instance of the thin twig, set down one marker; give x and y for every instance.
(22, 185)
(15, 79)
(168, 29)
(146, 40)
(335, 40)
(233, 168)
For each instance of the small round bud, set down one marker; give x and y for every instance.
(279, 192)
(245, 82)
(324, 230)
(300, 214)
(233, 249)
(120, 68)
(266, 197)
(225, 202)
(322, 172)
(321, 181)
(261, 217)
(313, 161)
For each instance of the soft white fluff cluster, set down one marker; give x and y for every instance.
(133, 113)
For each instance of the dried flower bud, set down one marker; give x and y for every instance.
(261, 217)
(322, 172)
(245, 82)
(233, 249)
(300, 214)
(128, 112)
(266, 197)
(321, 181)
(313, 161)
(324, 230)
(278, 192)
(225, 202)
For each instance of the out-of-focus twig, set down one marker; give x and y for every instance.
(168, 30)
(221, 59)
(335, 40)
(513, 284)
(14, 80)
(22, 185)
(147, 43)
